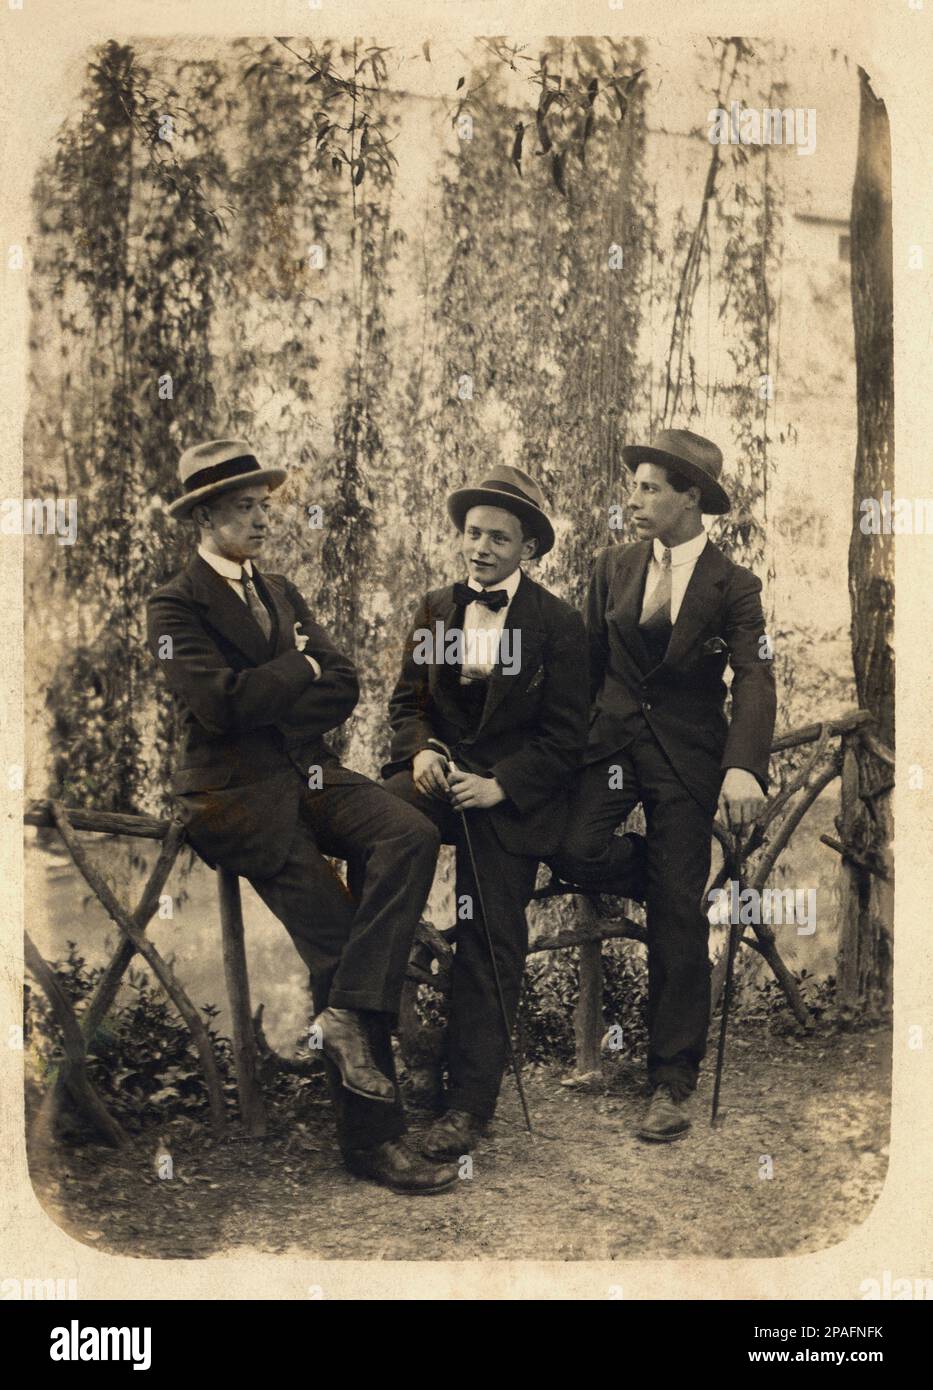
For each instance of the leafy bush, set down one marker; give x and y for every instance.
(550, 994)
(141, 1060)
(767, 1004)
(146, 1069)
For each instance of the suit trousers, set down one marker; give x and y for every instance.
(356, 940)
(477, 1042)
(679, 832)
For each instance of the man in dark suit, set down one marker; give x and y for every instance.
(257, 683)
(664, 617)
(495, 670)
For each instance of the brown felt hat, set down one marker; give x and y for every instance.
(693, 457)
(514, 491)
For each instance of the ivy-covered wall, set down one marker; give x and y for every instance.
(384, 287)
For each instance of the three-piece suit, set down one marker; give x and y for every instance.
(659, 736)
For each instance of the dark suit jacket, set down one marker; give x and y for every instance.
(532, 731)
(720, 621)
(252, 713)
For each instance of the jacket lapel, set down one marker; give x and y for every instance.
(701, 596)
(522, 616)
(627, 600)
(450, 618)
(227, 613)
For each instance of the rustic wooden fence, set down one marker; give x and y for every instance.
(748, 861)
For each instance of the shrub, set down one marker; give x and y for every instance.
(142, 1060)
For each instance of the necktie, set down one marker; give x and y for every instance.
(494, 599)
(658, 614)
(256, 606)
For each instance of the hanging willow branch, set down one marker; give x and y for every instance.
(699, 244)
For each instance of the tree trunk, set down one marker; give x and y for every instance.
(865, 822)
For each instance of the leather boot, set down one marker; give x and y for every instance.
(665, 1120)
(395, 1165)
(452, 1135)
(345, 1040)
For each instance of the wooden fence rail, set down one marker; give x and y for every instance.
(430, 959)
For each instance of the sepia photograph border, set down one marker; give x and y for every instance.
(894, 43)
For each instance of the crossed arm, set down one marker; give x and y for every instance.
(283, 691)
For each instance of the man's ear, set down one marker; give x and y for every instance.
(201, 515)
(529, 548)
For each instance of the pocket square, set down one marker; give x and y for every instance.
(713, 646)
(536, 680)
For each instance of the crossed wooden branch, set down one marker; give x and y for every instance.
(596, 926)
(132, 924)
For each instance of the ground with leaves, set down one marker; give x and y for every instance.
(816, 1106)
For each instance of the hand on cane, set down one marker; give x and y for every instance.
(470, 792)
(429, 773)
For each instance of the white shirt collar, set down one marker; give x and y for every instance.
(510, 585)
(229, 569)
(684, 554)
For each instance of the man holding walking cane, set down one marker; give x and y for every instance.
(665, 616)
(489, 722)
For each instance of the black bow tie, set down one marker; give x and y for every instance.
(492, 598)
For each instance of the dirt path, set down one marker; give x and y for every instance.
(817, 1107)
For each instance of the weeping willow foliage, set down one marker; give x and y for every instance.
(222, 248)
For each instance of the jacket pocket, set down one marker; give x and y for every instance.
(201, 779)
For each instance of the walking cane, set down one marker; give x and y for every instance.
(445, 751)
(735, 935)
(735, 932)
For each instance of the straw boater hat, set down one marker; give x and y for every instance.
(693, 457)
(220, 465)
(514, 491)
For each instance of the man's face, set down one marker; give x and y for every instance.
(237, 523)
(659, 510)
(492, 545)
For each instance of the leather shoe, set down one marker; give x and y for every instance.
(453, 1135)
(665, 1120)
(345, 1041)
(394, 1165)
